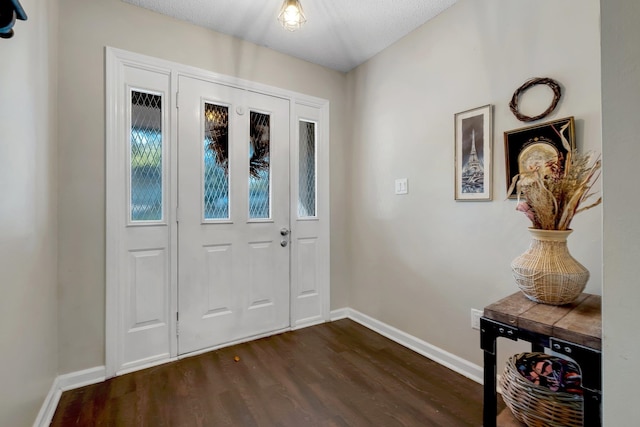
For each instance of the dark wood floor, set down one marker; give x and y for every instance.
(334, 374)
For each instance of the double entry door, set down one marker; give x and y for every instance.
(233, 214)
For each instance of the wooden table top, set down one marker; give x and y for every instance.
(579, 322)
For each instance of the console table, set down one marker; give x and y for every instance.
(574, 330)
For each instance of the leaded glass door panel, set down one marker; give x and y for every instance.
(233, 198)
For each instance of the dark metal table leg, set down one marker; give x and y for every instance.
(590, 362)
(592, 416)
(488, 343)
(490, 394)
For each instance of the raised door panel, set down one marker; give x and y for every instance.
(145, 311)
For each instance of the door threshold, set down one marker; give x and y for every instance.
(234, 342)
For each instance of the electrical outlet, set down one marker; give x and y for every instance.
(475, 318)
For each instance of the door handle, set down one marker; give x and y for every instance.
(284, 232)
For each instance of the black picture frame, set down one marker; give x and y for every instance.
(531, 146)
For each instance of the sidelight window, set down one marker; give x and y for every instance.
(145, 155)
(307, 170)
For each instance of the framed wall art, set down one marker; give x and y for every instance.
(532, 147)
(473, 144)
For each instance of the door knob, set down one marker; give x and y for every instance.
(284, 231)
(283, 243)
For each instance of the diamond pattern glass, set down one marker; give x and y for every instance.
(307, 170)
(146, 156)
(259, 166)
(216, 161)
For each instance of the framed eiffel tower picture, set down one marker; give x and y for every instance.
(473, 145)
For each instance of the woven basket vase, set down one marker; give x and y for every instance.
(547, 272)
(535, 405)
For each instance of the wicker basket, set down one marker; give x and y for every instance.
(535, 405)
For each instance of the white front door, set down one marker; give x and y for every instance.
(216, 260)
(233, 214)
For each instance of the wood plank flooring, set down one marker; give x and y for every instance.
(334, 374)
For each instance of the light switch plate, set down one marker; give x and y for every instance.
(401, 186)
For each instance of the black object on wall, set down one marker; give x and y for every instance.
(10, 10)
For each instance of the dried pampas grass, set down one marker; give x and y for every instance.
(551, 201)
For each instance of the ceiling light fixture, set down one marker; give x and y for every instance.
(291, 15)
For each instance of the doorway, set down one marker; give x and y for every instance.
(217, 211)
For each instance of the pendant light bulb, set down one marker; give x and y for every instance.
(291, 15)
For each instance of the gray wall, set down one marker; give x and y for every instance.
(28, 219)
(621, 241)
(86, 27)
(420, 262)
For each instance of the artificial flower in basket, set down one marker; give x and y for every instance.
(553, 195)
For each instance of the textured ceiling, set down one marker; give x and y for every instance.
(339, 34)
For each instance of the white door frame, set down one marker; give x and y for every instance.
(309, 301)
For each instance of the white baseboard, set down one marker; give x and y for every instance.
(63, 383)
(49, 406)
(82, 378)
(443, 357)
(98, 374)
(341, 313)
